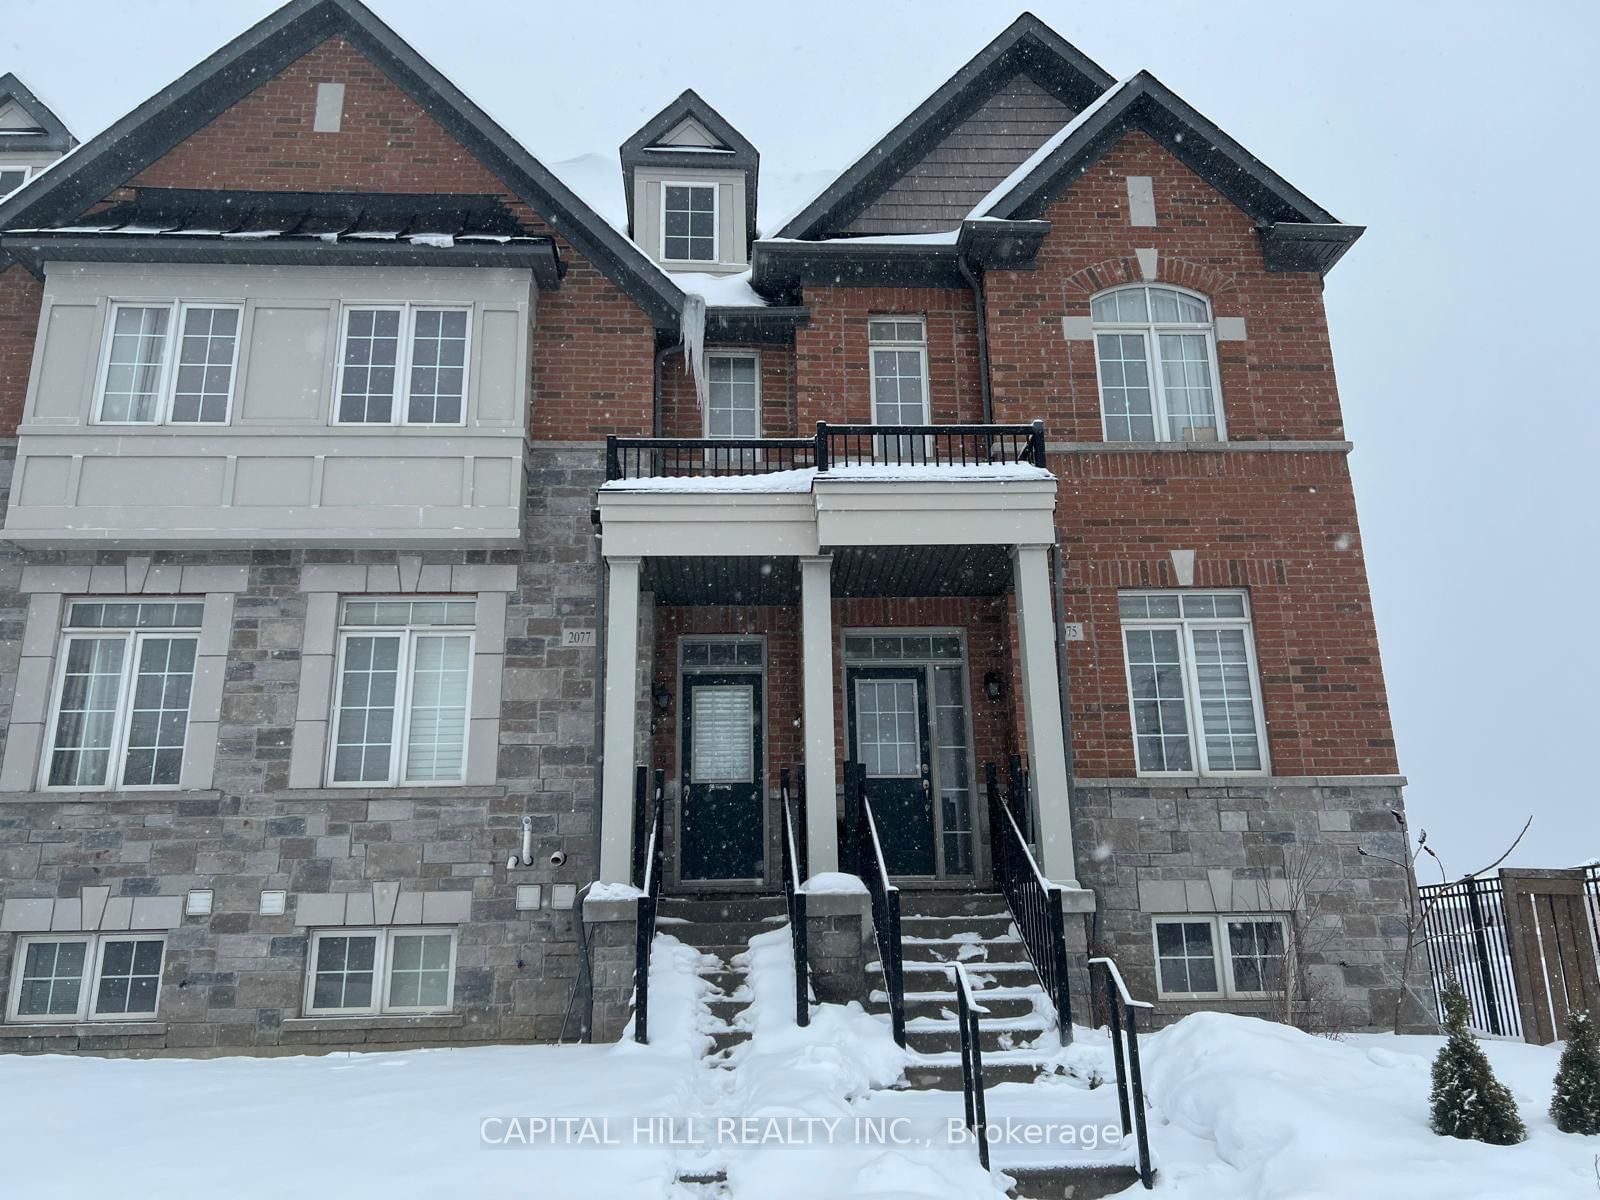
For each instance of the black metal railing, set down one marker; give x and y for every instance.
(874, 872)
(1122, 1013)
(649, 901)
(1464, 928)
(967, 1010)
(831, 447)
(1034, 901)
(794, 900)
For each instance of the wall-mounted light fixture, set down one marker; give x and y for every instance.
(993, 686)
(661, 697)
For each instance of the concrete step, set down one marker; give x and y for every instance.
(719, 933)
(946, 1076)
(721, 952)
(944, 927)
(952, 904)
(1069, 1183)
(990, 1038)
(934, 1005)
(923, 976)
(728, 981)
(727, 1039)
(968, 953)
(726, 1010)
(731, 908)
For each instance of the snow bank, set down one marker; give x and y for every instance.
(834, 883)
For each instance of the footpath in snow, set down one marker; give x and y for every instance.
(1241, 1110)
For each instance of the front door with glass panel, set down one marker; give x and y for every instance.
(889, 732)
(721, 833)
(906, 698)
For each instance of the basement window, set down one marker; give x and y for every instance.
(1239, 956)
(87, 976)
(371, 972)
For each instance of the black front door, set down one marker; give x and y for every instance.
(889, 738)
(722, 834)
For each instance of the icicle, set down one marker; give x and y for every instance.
(694, 343)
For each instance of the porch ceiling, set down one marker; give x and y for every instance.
(858, 571)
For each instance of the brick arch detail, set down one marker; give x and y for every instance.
(1124, 269)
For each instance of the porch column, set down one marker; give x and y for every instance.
(1041, 694)
(816, 644)
(621, 715)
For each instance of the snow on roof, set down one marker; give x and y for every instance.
(1051, 145)
(720, 291)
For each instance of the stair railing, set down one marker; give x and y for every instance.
(967, 1010)
(1034, 901)
(885, 897)
(1122, 1010)
(649, 901)
(794, 900)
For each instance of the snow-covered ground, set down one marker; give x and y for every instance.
(1241, 1110)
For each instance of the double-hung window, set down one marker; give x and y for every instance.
(403, 364)
(365, 972)
(86, 977)
(1238, 956)
(1192, 683)
(1156, 351)
(898, 348)
(404, 674)
(169, 364)
(121, 712)
(689, 222)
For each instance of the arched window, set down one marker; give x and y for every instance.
(1158, 366)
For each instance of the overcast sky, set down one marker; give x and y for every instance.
(1463, 134)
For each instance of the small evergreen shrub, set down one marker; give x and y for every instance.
(1575, 1107)
(1467, 1100)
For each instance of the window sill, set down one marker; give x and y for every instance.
(66, 1029)
(335, 1024)
(409, 791)
(103, 797)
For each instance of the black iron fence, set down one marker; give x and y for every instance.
(1122, 1012)
(831, 447)
(649, 901)
(1468, 941)
(1034, 901)
(795, 903)
(967, 1010)
(869, 862)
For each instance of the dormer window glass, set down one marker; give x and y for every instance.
(689, 222)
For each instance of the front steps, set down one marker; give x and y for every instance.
(1018, 1033)
(721, 929)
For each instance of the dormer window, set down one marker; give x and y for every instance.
(688, 222)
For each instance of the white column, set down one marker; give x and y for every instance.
(816, 645)
(1041, 694)
(621, 714)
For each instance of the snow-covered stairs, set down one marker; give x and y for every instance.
(721, 929)
(974, 929)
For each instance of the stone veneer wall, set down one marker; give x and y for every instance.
(234, 979)
(1149, 849)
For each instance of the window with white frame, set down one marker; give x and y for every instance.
(733, 403)
(1241, 955)
(169, 364)
(403, 364)
(1192, 683)
(899, 351)
(121, 711)
(366, 972)
(86, 977)
(689, 222)
(404, 676)
(11, 178)
(1156, 351)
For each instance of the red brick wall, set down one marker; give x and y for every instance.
(1281, 525)
(833, 380)
(20, 295)
(593, 346)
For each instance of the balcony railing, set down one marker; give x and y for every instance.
(832, 446)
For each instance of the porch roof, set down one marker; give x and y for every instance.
(857, 571)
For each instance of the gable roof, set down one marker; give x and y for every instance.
(50, 133)
(111, 158)
(733, 151)
(1027, 44)
(1299, 233)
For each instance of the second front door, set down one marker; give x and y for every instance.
(722, 834)
(889, 735)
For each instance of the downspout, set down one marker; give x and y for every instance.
(655, 387)
(980, 310)
(1058, 569)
